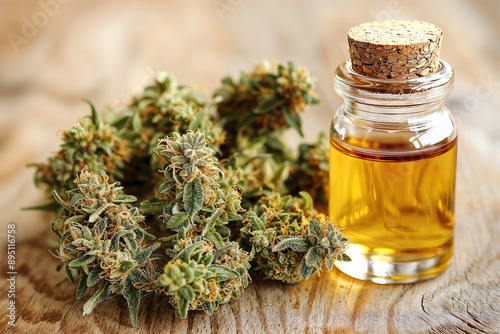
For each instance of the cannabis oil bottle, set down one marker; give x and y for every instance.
(393, 149)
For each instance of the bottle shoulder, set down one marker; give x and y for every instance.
(410, 135)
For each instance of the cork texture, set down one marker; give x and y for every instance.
(395, 49)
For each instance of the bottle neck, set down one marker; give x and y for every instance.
(392, 100)
(406, 114)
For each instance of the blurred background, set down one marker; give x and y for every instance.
(53, 53)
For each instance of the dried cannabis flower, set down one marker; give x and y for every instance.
(206, 269)
(259, 106)
(89, 142)
(269, 98)
(100, 237)
(291, 240)
(202, 276)
(164, 108)
(254, 170)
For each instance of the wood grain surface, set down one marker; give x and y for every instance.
(108, 50)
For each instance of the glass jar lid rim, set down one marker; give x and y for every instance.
(356, 87)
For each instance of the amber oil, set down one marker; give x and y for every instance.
(397, 210)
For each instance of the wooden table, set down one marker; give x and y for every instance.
(72, 57)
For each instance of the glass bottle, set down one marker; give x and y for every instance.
(393, 148)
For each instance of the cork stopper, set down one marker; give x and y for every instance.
(395, 49)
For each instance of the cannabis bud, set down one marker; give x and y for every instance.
(163, 108)
(202, 276)
(269, 98)
(291, 240)
(89, 142)
(206, 269)
(101, 239)
(254, 170)
(321, 244)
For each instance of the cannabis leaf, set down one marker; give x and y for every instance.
(193, 197)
